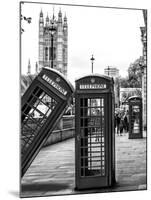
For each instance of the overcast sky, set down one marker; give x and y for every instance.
(112, 35)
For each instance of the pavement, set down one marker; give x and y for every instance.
(53, 170)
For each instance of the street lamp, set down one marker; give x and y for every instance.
(92, 59)
(108, 70)
(52, 30)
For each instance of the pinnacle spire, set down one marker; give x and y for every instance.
(53, 16)
(60, 16)
(47, 18)
(36, 68)
(41, 13)
(65, 20)
(29, 67)
(60, 13)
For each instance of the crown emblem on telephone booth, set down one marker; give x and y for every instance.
(92, 80)
(58, 79)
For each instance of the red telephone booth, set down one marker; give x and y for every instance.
(135, 117)
(42, 106)
(94, 132)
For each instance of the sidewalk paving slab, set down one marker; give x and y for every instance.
(53, 170)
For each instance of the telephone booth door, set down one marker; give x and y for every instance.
(94, 131)
(43, 104)
(135, 117)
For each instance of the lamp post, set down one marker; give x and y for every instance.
(52, 30)
(108, 70)
(92, 59)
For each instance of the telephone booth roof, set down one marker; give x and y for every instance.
(95, 76)
(65, 80)
(95, 83)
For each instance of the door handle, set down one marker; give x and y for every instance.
(78, 137)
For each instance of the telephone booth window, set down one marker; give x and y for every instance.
(135, 119)
(35, 112)
(92, 136)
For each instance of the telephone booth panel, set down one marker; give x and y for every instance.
(43, 104)
(135, 117)
(94, 132)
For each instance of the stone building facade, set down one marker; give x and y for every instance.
(112, 72)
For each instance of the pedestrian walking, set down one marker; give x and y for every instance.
(115, 121)
(118, 120)
(127, 114)
(125, 123)
(121, 125)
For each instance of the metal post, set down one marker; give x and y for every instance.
(51, 50)
(52, 32)
(92, 59)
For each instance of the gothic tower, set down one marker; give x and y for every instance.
(53, 42)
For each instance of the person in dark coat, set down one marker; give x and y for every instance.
(125, 123)
(121, 125)
(115, 121)
(118, 120)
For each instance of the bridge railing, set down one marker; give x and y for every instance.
(65, 129)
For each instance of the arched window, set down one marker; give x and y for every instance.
(50, 53)
(46, 53)
(64, 55)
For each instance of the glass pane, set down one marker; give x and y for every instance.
(42, 108)
(85, 112)
(27, 110)
(85, 102)
(89, 102)
(39, 93)
(102, 102)
(49, 112)
(46, 99)
(81, 112)
(36, 90)
(94, 121)
(36, 102)
(81, 102)
(37, 114)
